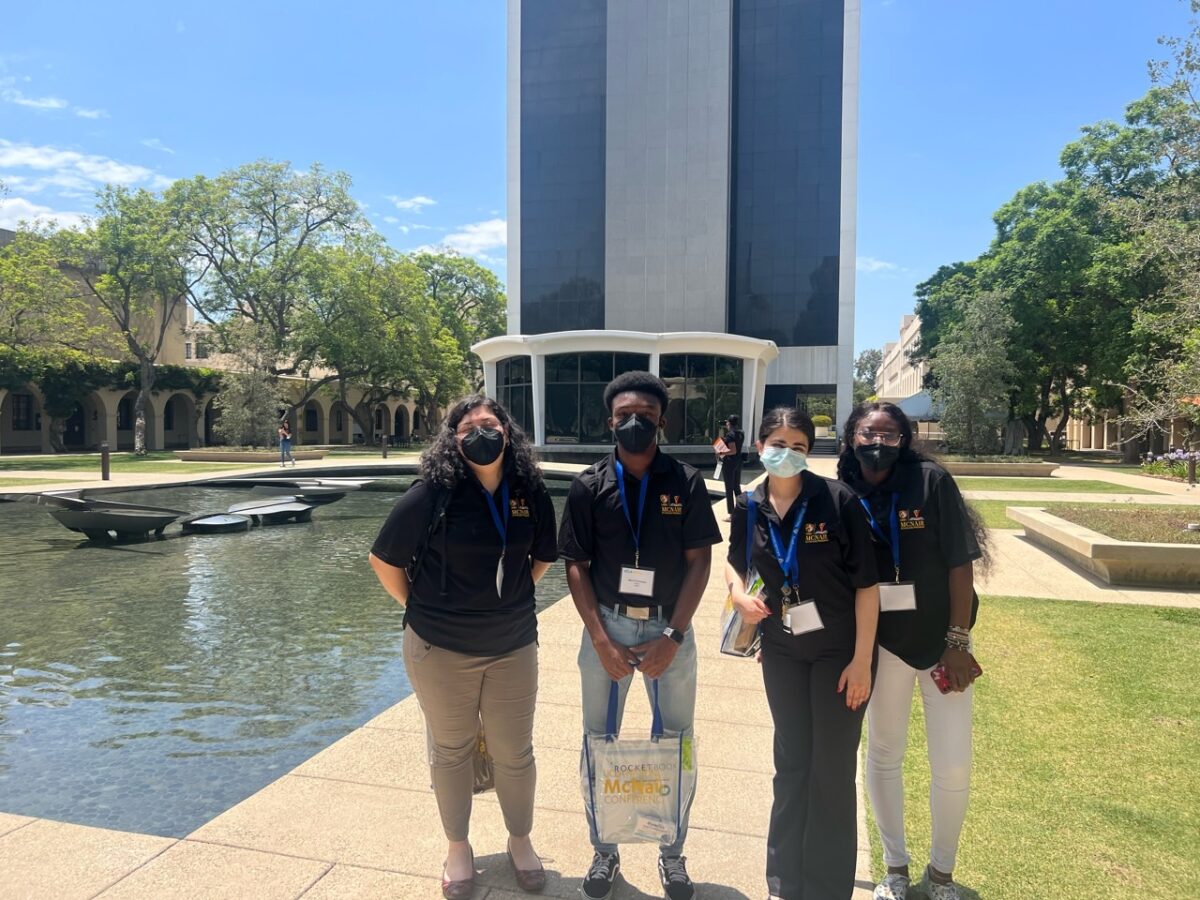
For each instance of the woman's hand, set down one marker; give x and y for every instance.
(753, 609)
(958, 668)
(856, 682)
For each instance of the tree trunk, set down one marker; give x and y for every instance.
(139, 408)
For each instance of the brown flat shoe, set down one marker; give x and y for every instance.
(531, 881)
(459, 890)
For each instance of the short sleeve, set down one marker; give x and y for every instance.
(956, 537)
(575, 535)
(405, 526)
(700, 527)
(858, 550)
(736, 556)
(545, 545)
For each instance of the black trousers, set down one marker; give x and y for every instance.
(813, 835)
(731, 474)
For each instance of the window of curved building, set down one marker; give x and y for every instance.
(575, 382)
(704, 391)
(514, 389)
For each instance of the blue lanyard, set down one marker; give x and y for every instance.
(637, 532)
(789, 562)
(894, 543)
(501, 522)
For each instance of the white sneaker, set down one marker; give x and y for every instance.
(893, 887)
(937, 891)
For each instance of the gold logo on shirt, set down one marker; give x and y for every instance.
(518, 508)
(910, 521)
(671, 505)
(815, 533)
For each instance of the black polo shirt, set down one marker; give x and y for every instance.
(734, 439)
(471, 617)
(935, 537)
(834, 553)
(678, 517)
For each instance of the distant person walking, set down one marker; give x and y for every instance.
(461, 552)
(926, 543)
(734, 440)
(285, 445)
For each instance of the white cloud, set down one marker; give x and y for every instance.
(391, 220)
(72, 169)
(14, 210)
(156, 144)
(478, 238)
(870, 265)
(411, 204)
(85, 113)
(12, 95)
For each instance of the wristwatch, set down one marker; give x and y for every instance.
(676, 636)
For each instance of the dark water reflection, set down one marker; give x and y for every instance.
(148, 687)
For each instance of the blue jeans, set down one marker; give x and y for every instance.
(676, 694)
(285, 450)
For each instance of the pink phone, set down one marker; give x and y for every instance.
(938, 674)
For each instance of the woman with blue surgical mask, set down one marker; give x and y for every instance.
(809, 541)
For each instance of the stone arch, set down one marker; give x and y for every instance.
(340, 423)
(401, 427)
(125, 422)
(211, 415)
(179, 421)
(314, 422)
(23, 421)
(84, 429)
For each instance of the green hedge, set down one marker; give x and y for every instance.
(822, 421)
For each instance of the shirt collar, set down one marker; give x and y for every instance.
(661, 463)
(809, 485)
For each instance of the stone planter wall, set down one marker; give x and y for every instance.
(246, 456)
(1112, 561)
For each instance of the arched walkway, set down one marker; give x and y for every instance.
(179, 417)
(21, 421)
(400, 426)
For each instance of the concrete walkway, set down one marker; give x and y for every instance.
(359, 820)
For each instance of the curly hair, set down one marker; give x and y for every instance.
(443, 464)
(646, 383)
(849, 470)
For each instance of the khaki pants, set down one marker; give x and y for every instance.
(455, 691)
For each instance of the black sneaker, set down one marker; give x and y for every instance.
(598, 882)
(672, 872)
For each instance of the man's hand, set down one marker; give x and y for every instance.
(656, 656)
(618, 661)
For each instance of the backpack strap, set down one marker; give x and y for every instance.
(441, 501)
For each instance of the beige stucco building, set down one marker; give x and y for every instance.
(898, 377)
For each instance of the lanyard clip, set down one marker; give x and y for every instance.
(637, 558)
(897, 574)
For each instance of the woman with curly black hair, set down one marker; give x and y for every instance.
(461, 552)
(926, 543)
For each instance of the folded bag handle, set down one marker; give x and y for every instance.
(656, 725)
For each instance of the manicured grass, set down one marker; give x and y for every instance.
(15, 482)
(1159, 524)
(1055, 485)
(158, 462)
(1085, 735)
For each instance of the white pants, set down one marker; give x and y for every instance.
(948, 733)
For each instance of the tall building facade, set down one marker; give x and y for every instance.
(687, 166)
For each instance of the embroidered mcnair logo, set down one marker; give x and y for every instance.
(518, 508)
(815, 533)
(672, 505)
(910, 520)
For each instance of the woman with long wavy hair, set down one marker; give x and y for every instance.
(926, 544)
(481, 524)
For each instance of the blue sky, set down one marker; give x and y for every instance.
(962, 103)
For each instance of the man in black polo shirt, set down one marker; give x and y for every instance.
(637, 536)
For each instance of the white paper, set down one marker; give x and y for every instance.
(638, 582)
(803, 618)
(897, 597)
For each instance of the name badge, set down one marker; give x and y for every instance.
(638, 582)
(897, 596)
(801, 618)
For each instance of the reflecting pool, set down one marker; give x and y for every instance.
(150, 686)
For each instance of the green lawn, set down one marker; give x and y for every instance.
(1158, 524)
(1086, 730)
(993, 514)
(158, 462)
(15, 482)
(1055, 485)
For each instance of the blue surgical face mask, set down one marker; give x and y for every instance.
(783, 461)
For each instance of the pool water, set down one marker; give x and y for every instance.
(150, 686)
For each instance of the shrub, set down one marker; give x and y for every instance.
(822, 421)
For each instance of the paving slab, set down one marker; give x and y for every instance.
(9, 822)
(353, 883)
(195, 871)
(61, 861)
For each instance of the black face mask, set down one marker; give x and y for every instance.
(483, 446)
(636, 433)
(877, 457)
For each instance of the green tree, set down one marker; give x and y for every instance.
(469, 301)
(253, 234)
(39, 304)
(866, 367)
(973, 374)
(130, 261)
